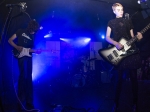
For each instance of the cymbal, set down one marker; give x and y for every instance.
(92, 59)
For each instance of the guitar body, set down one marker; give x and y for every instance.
(113, 55)
(24, 52)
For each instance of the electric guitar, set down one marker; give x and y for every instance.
(26, 52)
(115, 56)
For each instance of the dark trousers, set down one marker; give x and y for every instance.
(133, 77)
(25, 86)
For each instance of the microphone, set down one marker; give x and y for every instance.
(11, 5)
(127, 16)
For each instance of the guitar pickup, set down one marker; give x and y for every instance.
(110, 57)
(115, 53)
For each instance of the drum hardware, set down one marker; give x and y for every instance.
(84, 77)
(92, 59)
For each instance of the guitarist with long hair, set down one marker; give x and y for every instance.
(25, 40)
(121, 27)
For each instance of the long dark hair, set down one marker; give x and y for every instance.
(33, 26)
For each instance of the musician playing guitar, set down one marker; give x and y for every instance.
(121, 27)
(25, 40)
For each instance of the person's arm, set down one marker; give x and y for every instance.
(111, 41)
(139, 35)
(11, 42)
(19, 48)
(131, 33)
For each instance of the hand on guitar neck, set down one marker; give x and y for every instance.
(139, 36)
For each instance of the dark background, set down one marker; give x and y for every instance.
(68, 18)
(65, 18)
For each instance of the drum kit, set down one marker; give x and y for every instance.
(87, 64)
(86, 72)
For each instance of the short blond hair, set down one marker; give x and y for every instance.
(115, 5)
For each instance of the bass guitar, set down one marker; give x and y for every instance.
(115, 56)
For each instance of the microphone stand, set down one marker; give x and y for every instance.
(134, 14)
(3, 30)
(1, 55)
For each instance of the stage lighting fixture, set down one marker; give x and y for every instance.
(103, 37)
(41, 28)
(145, 8)
(141, 1)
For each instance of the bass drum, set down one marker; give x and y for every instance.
(78, 80)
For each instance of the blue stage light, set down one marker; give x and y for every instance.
(102, 36)
(141, 1)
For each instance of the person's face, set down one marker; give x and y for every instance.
(118, 11)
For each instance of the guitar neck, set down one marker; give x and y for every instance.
(132, 40)
(145, 29)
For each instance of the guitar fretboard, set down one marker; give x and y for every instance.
(132, 40)
(145, 29)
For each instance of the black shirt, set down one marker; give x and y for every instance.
(120, 28)
(25, 39)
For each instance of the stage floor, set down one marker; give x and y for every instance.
(80, 94)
